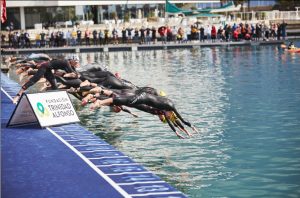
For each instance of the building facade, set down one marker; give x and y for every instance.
(25, 14)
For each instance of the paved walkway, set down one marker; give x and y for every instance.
(135, 47)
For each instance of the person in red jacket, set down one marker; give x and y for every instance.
(235, 35)
(213, 34)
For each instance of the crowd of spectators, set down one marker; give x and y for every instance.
(163, 34)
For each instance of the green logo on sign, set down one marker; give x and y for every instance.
(40, 107)
(41, 110)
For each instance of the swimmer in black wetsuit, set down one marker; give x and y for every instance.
(150, 103)
(32, 57)
(106, 79)
(45, 69)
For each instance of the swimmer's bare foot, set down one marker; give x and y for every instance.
(195, 129)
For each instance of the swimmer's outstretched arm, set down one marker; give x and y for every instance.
(88, 83)
(128, 111)
(100, 103)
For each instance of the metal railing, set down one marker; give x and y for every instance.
(267, 15)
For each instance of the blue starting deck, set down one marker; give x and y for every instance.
(67, 161)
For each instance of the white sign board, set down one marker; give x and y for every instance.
(48, 109)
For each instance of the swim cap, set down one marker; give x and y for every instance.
(73, 57)
(162, 93)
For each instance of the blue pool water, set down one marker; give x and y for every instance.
(245, 101)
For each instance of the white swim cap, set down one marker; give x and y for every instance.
(73, 57)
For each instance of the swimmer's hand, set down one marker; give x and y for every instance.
(70, 75)
(59, 73)
(96, 90)
(16, 99)
(179, 136)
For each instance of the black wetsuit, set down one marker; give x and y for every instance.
(145, 100)
(35, 58)
(46, 70)
(106, 79)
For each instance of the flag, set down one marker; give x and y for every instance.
(3, 11)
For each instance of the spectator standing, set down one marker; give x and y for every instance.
(68, 38)
(278, 31)
(95, 37)
(124, 35)
(101, 37)
(106, 36)
(37, 40)
(79, 42)
(202, 34)
(16, 40)
(27, 39)
(213, 34)
(153, 34)
(142, 30)
(87, 36)
(129, 35)
(22, 39)
(136, 35)
(115, 36)
(148, 38)
(283, 29)
(74, 36)
(43, 41)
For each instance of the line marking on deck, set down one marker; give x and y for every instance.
(108, 157)
(72, 140)
(124, 173)
(117, 165)
(159, 193)
(145, 182)
(78, 145)
(96, 151)
(7, 94)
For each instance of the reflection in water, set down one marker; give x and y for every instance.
(243, 100)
